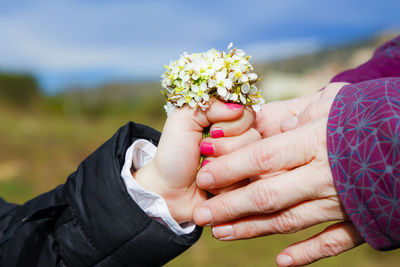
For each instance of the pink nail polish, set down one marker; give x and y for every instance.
(206, 148)
(204, 162)
(233, 106)
(217, 132)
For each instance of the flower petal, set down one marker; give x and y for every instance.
(252, 76)
(256, 107)
(222, 91)
(245, 88)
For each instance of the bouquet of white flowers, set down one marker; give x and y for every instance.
(194, 79)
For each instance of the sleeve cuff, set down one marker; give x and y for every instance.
(140, 153)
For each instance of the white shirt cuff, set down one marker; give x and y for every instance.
(140, 153)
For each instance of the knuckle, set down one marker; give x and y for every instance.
(306, 256)
(327, 185)
(247, 229)
(223, 210)
(304, 116)
(310, 113)
(264, 198)
(285, 222)
(255, 134)
(261, 157)
(329, 246)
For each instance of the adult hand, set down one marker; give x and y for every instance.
(280, 116)
(316, 109)
(294, 190)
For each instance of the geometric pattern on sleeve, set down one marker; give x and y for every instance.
(363, 138)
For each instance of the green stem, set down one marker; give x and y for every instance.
(206, 133)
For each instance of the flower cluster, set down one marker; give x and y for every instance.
(194, 78)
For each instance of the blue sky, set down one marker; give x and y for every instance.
(78, 42)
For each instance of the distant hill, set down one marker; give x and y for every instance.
(280, 79)
(308, 73)
(18, 89)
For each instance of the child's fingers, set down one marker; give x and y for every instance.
(187, 118)
(224, 145)
(233, 127)
(220, 111)
(231, 187)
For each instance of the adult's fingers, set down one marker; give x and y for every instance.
(269, 119)
(311, 112)
(283, 151)
(316, 109)
(332, 241)
(233, 127)
(229, 188)
(220, 146)
(291, 220)
(265, 196)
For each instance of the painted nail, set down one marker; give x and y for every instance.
(204, 162)
(284, 260)
(233, 106)
(217, 132)
(203, 216)
(205, 180)
(206, 148)
(223, 232)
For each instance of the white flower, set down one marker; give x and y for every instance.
(245, 88)
(240, 53)
(253, 89)
(194, 78)
(244, 78)
(252, 76)
(223, 84)
(200, 92)
(169, 107)
(256, 107)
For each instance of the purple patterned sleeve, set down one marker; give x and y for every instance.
(384, 63)
(363, 136)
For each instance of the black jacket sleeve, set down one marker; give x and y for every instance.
(90, 220)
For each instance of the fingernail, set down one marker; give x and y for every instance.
(289, 124)
(223, 232)
(284, 260)
(217, 132)
(233, 106)
(205, 180)
(206, 148)
(203, 216)
(204, 162)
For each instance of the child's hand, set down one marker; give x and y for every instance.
(173, 170)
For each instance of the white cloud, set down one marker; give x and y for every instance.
(126, 38)
(136, 38)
